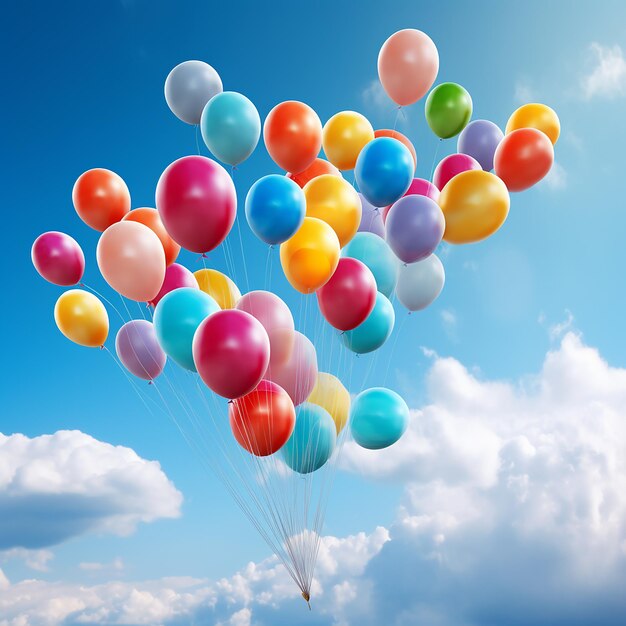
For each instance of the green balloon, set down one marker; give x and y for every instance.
(448, 109)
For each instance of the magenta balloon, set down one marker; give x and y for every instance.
(452, 165)
(419, 187)
(277, 320)
(231, 351)
(176, 276)
(371, 218)
(138, 349)
(58, 258)
(197, 202)
(298, 375)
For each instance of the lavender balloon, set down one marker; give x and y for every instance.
(414, 226)
(480, 139)
(138, 349)
(371, 218)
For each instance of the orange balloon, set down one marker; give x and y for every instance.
(293, 135)
(152, 219)
(394, 134)
(319, 167)
(100, 198)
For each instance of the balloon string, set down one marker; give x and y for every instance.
(432, 169)
(197, 142)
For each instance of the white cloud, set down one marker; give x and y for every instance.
(556, 331)
(35, 559)
(375, 97)
(523, 92)
(607, 76)
(116, 565)
(556, 179)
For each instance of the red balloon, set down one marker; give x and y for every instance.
(349, 296)
(319, 167)
(176, 276)
(394, 134)
(523, 158)
(452, 165)
(58, 258)
(197, 202)
(262, 421)
(419, 187)
(231, 351)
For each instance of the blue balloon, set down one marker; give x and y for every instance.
(275, 208)
(231, 127)
(312, 441)
(375, 252)
(384, 170)
(375, 330)
(176, 319)
(378, 418)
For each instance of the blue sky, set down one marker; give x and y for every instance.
(84, 88)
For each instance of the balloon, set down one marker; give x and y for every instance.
(131, 259)
(100, 198)
(415, 226)
(480, 139)
(317, 168)
(539, 116)
(188, 87)
(475, 204)
(313, 439)
(310, 257)
(394, 134)
(176, 276)
(420, 283)
(523, 158)
(219, 286)
(334, 201)
(332, 396)
(231, 127)
(349, 296)
(275, 208)
(231, 351)
(197, 202)
(384, 171)
(344, 136)
(297, 375)
(371, 218)
(82, 318)
(277, 320)
(377, 255)
(262, 421)
(138, 349)
(293, 135)
(176, 319)
(448, 109)
(374, 331)
(408, 63)
(58, 258)
(151, 219)
(418, 187)
(452, 165)
(378, 418)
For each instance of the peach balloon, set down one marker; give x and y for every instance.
(152, 219)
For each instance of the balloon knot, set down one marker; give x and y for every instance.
(231, 402)
(150, 382)
(149, 304)
(81, 284)
(102, 347)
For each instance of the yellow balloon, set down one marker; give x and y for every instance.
(475, 204)
(82, 318)
(537, 116)
(334, 201)
(221, 288)
(344, 136)
(310, 257)
(330, 394)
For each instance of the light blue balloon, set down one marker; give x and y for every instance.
(375, 330)
(176, 319)
(419, 284)
(375, 252)
(313, 439)
(231, 127)
(378, 418)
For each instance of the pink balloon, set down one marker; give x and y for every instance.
(58, 258)
(298, 375)
(176, 276)
(277, 320)
(197, 202)
(408, 63)
(452, 165)
(419, 187)
(231, 351)
(131, 259)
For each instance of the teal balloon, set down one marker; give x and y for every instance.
(448, 109)
(378, 418)
(230, 127)
(375, 252)
(176, 319)
(312, 441)
(375, 330)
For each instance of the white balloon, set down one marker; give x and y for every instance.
(420, 283)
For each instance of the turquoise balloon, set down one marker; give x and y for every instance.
(312, 441)
(378, 418)
(375, 252)
(176, 318)
(231, 127)
(375, 330)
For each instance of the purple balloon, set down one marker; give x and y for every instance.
(176, 276)
(138, 349)
(414, 226)
(371, 218)
(480, 139)
(419, 187)
(58, 258)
